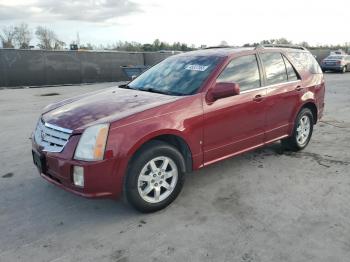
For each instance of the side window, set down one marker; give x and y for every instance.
(313, 66)
(243, 70)
(274, 67)
(305, 61)
(296, 59)
(292, 75)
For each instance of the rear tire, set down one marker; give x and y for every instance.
(155, 177)
(302, 131)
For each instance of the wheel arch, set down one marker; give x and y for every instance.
(172, 137)
(312, 106)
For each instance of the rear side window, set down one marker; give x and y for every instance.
(243, 70)
(305, 61)
(292, 75)
(274, 67)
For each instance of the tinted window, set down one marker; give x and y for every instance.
(274, 67)
(243, 70)
(292, 76)
(336, 57)
(177, 75)
(305, 61)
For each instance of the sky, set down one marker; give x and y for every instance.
(189, 21)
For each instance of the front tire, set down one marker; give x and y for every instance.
(155, 177)
(302, 131)
(344, 69)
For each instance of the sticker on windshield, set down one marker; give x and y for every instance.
(196, 67)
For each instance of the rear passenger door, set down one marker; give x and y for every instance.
(283, 93)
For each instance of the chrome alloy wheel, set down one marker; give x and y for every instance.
(303, 130)
(157, 179)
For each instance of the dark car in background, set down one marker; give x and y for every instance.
(337, 63)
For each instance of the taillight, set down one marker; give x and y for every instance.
(338, 62)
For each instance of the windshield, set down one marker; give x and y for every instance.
(176, 75)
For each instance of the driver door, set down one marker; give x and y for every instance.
(235, 124)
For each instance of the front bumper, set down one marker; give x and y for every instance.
(101, 179)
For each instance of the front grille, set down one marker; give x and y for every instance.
(52, 138)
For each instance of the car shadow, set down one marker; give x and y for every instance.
(112, 210)
(45, 209)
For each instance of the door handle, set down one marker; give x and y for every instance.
(298, 88)
(258, 98)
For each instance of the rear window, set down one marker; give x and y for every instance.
(305, 61)
(335, 57)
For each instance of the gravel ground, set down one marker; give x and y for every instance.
(265, 205)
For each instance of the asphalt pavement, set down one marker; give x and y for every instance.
(266, 205)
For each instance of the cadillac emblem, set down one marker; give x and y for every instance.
(42, 135)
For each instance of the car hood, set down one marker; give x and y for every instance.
(102, 107)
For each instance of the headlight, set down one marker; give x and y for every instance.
(91, 146)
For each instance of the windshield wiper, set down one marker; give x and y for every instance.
(125, 86)
(164, 92)
(151, 90)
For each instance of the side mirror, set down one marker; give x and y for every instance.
(222, 90)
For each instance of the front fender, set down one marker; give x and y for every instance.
(185, 122)
(153, 135)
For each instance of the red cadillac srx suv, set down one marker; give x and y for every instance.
(187, 112)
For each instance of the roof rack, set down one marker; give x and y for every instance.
(281, 46)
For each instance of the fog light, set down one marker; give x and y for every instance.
(78, 176)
